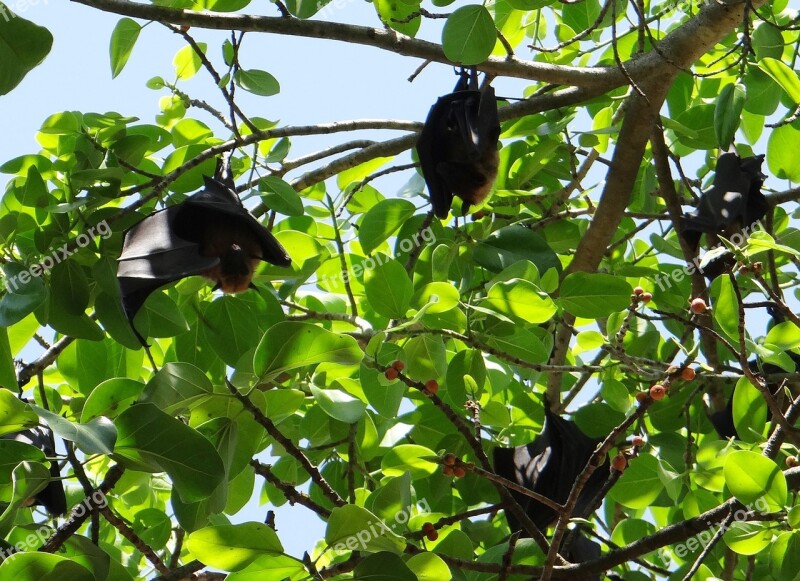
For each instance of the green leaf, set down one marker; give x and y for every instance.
(388, 287)
(726, 308)
(409, 458)
(232, 329)
(594, 295)
(784, 335)
(110, 398)
(153, 441)
(94, 437)
(784, 557)
(339, 405)
(27, 479)
(508, 245)
(187, 63)
(749, 411)
(440, 296)
(305, 8)
(383, 220)
(396, 15)
(35, 566)
(783, 75)
(23, 45)
(24, 294)
(351, 527)
(123, 39)
(747, 538)
(289, 345)
(233, 547)
(782, 158)
(640, 484)
(521, 300)
(257, 82)
(751, 476)
(728, 113)
(469, 35)
(15, 415)
(429, 567)
(384, 566)
(280, 196)
(177, 386)
(767, 41)
(8, 373)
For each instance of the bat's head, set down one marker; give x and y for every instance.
(234, 272)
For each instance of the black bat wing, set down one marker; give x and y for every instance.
(723, 204)
(52, 496)
(756, 206)
(153, 255)
(217, 201)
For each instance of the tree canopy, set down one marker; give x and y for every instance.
(370, 381)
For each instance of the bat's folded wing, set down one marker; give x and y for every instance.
(431, 147)
(217, 199)
(152, 256)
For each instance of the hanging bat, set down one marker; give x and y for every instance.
(210, 234)
(457, 146)
(733, 202)
(550, 465)
(52, 496)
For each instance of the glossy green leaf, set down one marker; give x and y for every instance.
(35, 566)
(257, 82)
(388, 287)
(233, 547)
(290, 345)
(152, 440)
(728, 113)
(594, 295)
(469, 35)
(751, 476)
(383, 220)
(351, 527)
(123, 39)
(521, 300)
(23, 45)
(339, 405)
(409, 458)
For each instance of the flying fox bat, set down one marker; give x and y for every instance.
(457, 146)
(550, 465)
(733, 202)
(52, 496)
(210, 234)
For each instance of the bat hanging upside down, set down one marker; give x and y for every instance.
(210, 234)
(457, 146)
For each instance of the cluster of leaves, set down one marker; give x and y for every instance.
(494, 310)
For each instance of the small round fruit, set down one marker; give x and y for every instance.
(658, 392)
(619, 462)
(449, 460)
(688, 374)
(432, 535)
(391, 373)
(431, 386)
(447, 470)
(698, 306)
(398, 365)
(641, 396)
(791, 461)
(428, 526)
(638, 291)
(647, 297)
(459, 472)
(637, 441)
(185, 27)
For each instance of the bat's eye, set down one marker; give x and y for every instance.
(236, 248)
